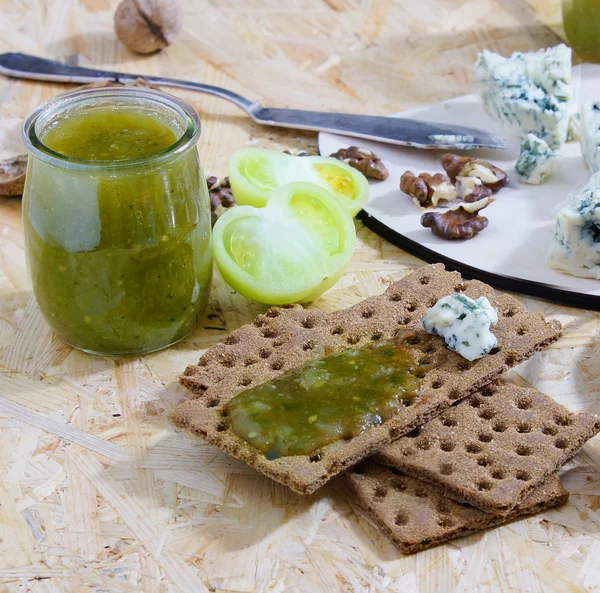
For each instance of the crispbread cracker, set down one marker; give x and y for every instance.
(286, 337)
(416, 515)
(493, 448)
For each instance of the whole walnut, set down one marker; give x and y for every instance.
(146, 26)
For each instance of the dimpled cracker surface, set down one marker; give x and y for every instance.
(493, 448)
(416, 515)
(286, 337)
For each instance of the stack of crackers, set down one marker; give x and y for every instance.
(468, 454)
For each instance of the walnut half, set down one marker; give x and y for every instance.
(12, 175)
(459, 222)
(220, 196)
(471, 189)
(491, 176)
(363, 160)
(428, 190)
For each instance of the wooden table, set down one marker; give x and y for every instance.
(99, 493)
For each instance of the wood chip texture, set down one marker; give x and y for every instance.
(416, 515)
(284, 338)
(99, 492)
(493, 448)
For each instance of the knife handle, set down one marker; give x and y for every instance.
(31, 67)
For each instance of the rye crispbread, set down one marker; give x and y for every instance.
(416, 515)
(286, 337)
(493, 448)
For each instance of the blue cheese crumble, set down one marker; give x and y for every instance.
(464, 324)
(529, 92)
(576, 247)
(536, 161)
(590, 135)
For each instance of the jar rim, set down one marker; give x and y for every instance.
(36, 147)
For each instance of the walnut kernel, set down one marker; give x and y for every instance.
(471, 189)
(12, 175)
(428, 190)
(459, 222)
(221, 196)
(464, 166)
(363, 160)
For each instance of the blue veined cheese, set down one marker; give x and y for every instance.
(576, 247)
(529, 92)
(525, 108)
(549, 68)
(590, 135)
(574, 127)
(536, 161)
(464, 324)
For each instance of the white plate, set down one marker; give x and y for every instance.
(511, 253)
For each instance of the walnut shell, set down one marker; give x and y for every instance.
(146, 26)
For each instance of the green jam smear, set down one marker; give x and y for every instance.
(326, 400)
(109, 135)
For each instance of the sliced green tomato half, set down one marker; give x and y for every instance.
(291, 251)
(255, 173)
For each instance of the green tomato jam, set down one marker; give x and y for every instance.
(336, 397)
(109, 135)
(120, 259)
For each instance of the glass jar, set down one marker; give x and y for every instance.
(118, 250)
(581, 19)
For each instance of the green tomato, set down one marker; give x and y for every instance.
(255, 173)
(290, 251)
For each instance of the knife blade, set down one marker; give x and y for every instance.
(393, 130)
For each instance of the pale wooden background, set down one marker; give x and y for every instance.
(98, 492)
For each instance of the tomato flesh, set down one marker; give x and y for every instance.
(255, 173)
(292, 250)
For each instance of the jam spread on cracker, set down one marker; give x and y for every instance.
(328, 399)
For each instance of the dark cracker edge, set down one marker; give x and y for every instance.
(393, 500)
(286, 337)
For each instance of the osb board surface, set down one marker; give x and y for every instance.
(98, 492)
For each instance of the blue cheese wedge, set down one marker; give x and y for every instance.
(590, 135)
(529, 92)
(576, 247)
(464, 324)
(536, 161)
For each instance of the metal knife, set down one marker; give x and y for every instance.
(393, 130)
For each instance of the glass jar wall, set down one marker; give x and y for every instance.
(117, 219)
(581, 20)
